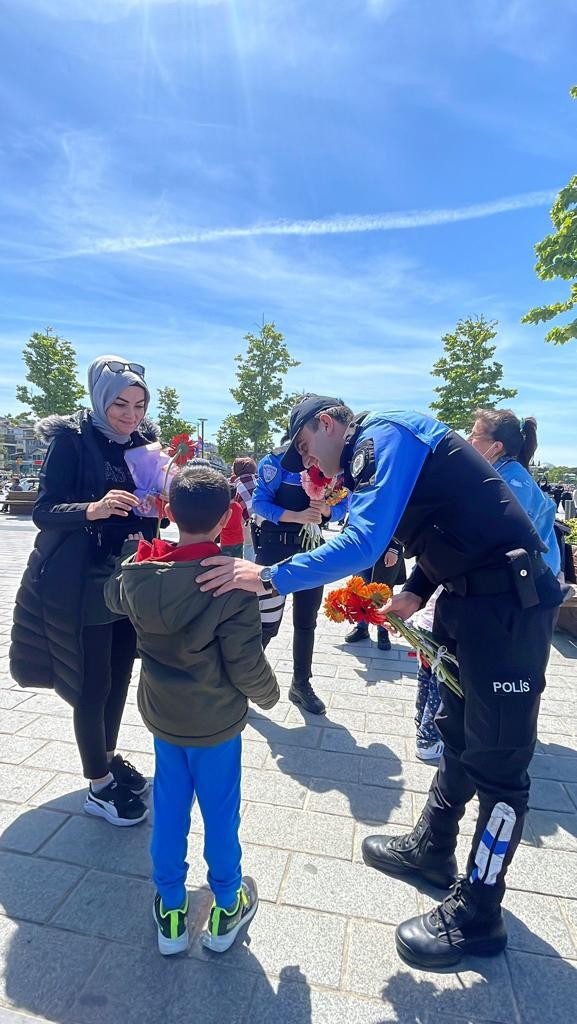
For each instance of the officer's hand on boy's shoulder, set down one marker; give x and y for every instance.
(230, 574)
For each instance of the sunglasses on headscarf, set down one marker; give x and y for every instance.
(117, 367)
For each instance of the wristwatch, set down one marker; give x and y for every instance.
(265, 576)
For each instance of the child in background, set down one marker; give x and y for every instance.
(202, 659)
(429, 744)
(232, 535)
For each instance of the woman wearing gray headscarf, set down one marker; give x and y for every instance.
(64, 636)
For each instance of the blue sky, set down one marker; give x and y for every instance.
(364, 172)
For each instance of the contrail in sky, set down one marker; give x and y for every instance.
(337, 225)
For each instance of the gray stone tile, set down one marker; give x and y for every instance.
(289, 829)
(549, 796)
(24, 830)
(287, 1002)
(362, 702)
(314, 763)
(335, 718)
(562, 769)
(554, 830)
(15, 698)
(19, 783)
(111, 907)
(48, 727)
(272, 787)
(365, 803)
(13, 721)
(92, 843)
(569, 911)
(479, 986)
(135, 737)
(12, 1017)
(254, 754)
(571, 788)
(416, 777)
(321, 883)
(545, 988)
(32, 887)
(281, 936)
(366, 744)
(15, 749)
(43, 968)
(551, 872)
(276, 714)
(64, 792)
(263, 863)
(535, 924)
(46, 703)
(160, 989)
(61, 757)
(289, 734)
(393, 724)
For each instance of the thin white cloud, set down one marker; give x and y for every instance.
(337, 225)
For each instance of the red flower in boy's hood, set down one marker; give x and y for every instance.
(181, 449)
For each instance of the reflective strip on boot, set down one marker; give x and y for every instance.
(493, 845)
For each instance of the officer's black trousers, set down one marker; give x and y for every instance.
(490, 734)
(306, 604)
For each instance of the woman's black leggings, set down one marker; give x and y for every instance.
(109, 652)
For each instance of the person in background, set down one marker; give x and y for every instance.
(232, 535)
(64, 636)
(509, 444)
(16, 485)
(245, 479)
(556, 492)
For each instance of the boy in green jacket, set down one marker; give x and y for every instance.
(201, 659)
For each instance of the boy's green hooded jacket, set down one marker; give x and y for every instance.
(202, 656)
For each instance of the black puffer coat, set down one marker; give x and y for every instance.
(46, 648)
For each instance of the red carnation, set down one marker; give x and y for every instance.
(181, 449)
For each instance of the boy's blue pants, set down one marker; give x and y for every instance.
(213, 774)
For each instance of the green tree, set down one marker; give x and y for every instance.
(168, 418)
(557, 257)
(259, 393)
(231, 439)
(51, 363)
(470, 378)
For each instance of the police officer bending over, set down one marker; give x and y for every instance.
(414, 477)
(285, 507)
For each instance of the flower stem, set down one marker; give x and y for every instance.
(431, 652)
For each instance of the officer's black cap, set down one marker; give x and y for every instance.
(301, 413)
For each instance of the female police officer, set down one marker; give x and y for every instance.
(414, 477)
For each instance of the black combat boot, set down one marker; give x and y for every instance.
(303, 694)
(360, 632)
(468, 921)
(420, 853)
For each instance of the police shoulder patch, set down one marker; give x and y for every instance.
(363, 465)
(269, 471)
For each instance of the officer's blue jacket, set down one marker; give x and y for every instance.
(271, 476)
(402, 442)
(539, 506)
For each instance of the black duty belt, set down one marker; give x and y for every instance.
(286, 538)
(520, 569)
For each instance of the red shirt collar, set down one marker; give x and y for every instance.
(167, 551)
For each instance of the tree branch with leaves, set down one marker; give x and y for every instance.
(51, 363)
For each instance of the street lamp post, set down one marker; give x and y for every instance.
(201, 421)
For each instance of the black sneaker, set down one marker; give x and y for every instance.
(417, 853)
(461, 925)
(125, 774)
(356, 634)
(172, 926)
(116, 804)
(303, 694)
(224, 924)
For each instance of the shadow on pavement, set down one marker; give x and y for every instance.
(79, 946)
(367, 802)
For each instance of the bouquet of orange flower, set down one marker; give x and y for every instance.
(358, 601)
(319, 487)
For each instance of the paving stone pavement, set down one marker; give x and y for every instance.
(77, 940)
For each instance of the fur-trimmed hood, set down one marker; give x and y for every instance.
(53, 426)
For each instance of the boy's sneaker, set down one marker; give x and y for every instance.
(172, 927)
(125, 774)
(116, 804)
(224, 924)
(431, 752)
